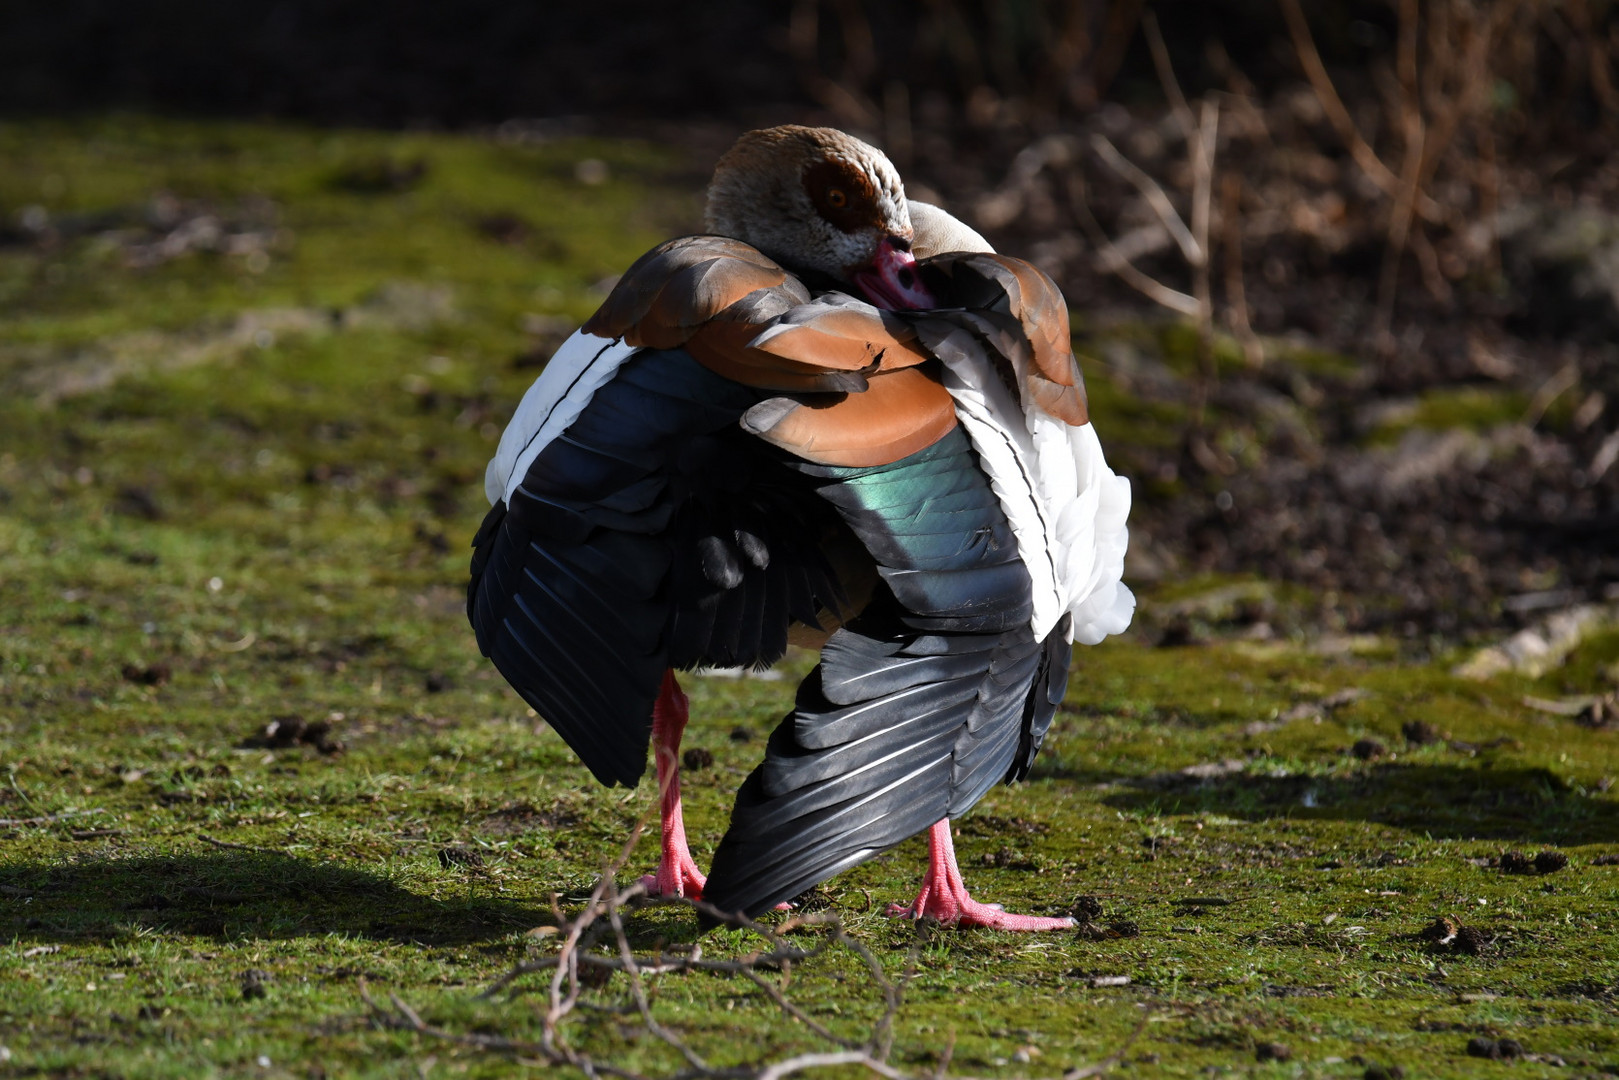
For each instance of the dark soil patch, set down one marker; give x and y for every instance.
(285, 732)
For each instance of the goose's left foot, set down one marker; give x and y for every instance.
(944, 895)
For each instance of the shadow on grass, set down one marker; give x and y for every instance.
(246, 894)
(1521, 805)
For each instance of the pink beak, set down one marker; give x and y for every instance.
(891, 281)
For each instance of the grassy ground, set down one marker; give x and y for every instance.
(237, 481)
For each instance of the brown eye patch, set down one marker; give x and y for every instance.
(843, 195)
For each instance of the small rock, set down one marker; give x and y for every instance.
(1509, 1049)
(436, 683)
(1377, 1071)
(1481, 1047)
(741, 734)
(1273, 1051)
(696, 758)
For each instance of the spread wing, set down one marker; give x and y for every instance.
(936, 692)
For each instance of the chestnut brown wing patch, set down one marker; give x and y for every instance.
(900, 413)
(678, 286)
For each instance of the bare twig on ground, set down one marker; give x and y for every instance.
(205, 838)
(45, 819)
(605, 911)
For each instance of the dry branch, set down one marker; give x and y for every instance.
(1201, 132)
(1327, 94)
(603, 915)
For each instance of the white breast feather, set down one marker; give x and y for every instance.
(577, 370)
(1065, 505)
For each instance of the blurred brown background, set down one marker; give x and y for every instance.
(1351, 268)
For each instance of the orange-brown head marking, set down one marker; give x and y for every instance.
(844, 195)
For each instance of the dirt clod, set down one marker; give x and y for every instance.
(253, 981)
(1509, 1049)
(148, 674)
(285, 732)
(810, 900)
(1273, 1051)
(1516, 862)
(1470, 941)
(741, 734)
(1369, 750)
(696, 758)
(1122, 928)
(1087, 909)
(1421, 733)
(1549, 862)
(1546, 862)
(1481, 1047)
(1448, 933)
(1006, 859)
(1376, 1071)
(464, 858)
(137, 502)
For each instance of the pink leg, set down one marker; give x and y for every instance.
(677, 874)
(944, 896)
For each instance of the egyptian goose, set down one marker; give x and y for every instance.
(840, 418)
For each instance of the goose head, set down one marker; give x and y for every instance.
(816, 199)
